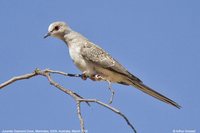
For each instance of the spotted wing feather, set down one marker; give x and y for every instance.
(97, 55)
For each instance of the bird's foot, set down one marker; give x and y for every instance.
(96, 77)
(84, 76)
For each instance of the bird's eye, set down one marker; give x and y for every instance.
(56, 28)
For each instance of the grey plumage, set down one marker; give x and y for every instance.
(93, 60)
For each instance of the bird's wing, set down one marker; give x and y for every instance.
(98, 56)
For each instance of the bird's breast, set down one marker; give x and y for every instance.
(74, 53)
(79, 61)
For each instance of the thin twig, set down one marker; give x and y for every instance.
(12, 80)
(78, 104)
(112, 92)
(111, 108)
(64, 74)
(46, 73)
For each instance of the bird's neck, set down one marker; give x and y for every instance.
(71, 37)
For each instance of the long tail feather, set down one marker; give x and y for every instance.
(155, 94)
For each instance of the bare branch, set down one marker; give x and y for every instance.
(46, 73)
(78, 104)
(112, 109)
(112, 92)
(64, 74)
(12, 80)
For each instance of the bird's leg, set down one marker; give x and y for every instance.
(112, 92)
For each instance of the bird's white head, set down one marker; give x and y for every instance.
(57, 29)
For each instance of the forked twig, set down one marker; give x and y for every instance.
(79, 99)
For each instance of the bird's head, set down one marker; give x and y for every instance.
(57, 29)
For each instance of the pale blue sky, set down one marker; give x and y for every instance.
(156, 40)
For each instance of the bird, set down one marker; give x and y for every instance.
(96, 64)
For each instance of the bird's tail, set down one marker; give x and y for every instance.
(151, 92)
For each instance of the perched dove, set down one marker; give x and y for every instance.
(97, 64)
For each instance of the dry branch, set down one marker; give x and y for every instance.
(79, 99)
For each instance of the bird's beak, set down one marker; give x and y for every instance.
(48, 34)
